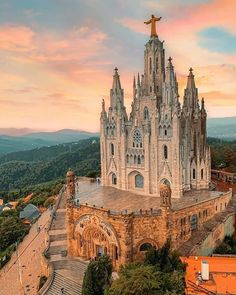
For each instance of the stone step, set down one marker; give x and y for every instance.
(58, 237)
(57, 249)
(57, 232)
(70, 287)
(58, 242)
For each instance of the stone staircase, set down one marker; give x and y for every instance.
(68, 273)
(70, 287)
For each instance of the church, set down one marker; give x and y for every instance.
(160, 142)
(155, 173)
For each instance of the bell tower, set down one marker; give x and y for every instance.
(154, 63)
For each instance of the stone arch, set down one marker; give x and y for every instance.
(166, 182)
(112, 178)
(96, 237)
(134, 178)
(140, 255)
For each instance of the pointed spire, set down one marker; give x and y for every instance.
(191, 82)
(134, 83)
(103, 106)
(170, 75)
(138, 81)
(116, 80)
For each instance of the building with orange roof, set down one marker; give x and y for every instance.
(210, 275)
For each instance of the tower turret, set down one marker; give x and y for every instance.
(70, 186)
(191, 93)
(116, 93)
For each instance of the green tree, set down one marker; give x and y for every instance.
(136, 280)
(97, 276)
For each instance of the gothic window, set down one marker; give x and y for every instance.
(141, 145)
(137, 138)
(139, 159)
(150, 65)
(139, 181)
(194, 222)
(127, 158)
(145, 113)
(135, 159)
(165, 132)
(150, 88)
(145, 247)
(194, 173)
(112, 149)
(202, 174)
(165, 152)
(157, 88)
(156, 65)
(114, 179)
(142, 159)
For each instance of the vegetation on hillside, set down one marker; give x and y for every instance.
(223, 154)
(12, 231)
(22, 169)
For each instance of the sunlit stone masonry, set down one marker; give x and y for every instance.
(155, 172)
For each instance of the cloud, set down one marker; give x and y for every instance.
(218, 40)
(16, 38)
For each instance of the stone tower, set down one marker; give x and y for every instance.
(70, 186)
(160, 142)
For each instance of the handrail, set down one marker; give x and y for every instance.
(50, 277)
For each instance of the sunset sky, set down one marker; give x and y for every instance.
(57, 56)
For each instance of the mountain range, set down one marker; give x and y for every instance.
(13, 139)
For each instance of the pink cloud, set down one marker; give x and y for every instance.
(16, 38)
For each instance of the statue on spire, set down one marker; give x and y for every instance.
(153, 21)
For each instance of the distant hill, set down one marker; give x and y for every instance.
(25, 168)
(224, 128)
(29, 141)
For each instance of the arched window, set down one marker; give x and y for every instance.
(112, 149)
(165, 132)
(165, 152)
(150, 65)
(135, 159)
(139, 181)
(114, 179)
(145, 247)
(156, 64)
(127, 158)
(202, 174)
(194, 173)
(194, 222)
(146, 114)
(139, 159)
(150, 88)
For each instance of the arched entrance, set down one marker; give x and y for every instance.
(96, 238)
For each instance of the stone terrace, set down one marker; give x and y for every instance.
(119, 200)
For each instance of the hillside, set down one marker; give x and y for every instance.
(22, 169)
(29, 141)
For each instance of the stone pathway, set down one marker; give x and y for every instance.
(28, 265)
(68, 273)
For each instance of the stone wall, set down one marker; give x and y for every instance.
(122, 234)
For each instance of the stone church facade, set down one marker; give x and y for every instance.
(155, 171)
(160, 141)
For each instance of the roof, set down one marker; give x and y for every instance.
(30, 212)
(222, 276)
(112, 198)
